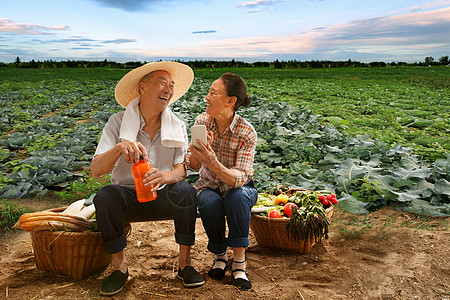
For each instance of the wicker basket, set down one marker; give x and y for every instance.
(75, 254)
(272, 233)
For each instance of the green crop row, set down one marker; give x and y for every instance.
(375, 135)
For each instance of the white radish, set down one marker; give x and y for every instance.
(88, 211)
(75, 208)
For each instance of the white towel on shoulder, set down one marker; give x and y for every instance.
(131, 121)
(172, 134)
(172, 130)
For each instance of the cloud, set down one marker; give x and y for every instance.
(129, 5)
(410, 28)
(259, 43)
(9, 26)
(408, 33)
(75, 39)
(15, 52)
(83, 41)
(255, 11)
(136, 5)
(204, 31)
(255, 3)
(119, 41)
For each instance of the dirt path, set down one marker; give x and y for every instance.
(385, 255)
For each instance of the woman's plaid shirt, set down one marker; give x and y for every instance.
(234, 148)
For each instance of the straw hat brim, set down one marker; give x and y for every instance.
(127, 89)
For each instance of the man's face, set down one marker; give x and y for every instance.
(156, 90)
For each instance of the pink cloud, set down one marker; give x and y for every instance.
(10, 26)
(414, 28)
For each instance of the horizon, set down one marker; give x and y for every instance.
(192, 60)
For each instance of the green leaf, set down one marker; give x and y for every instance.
(337, 121)
(403, 196)
(442, 186)
(353, 205)
(404, 174)
(422, 207)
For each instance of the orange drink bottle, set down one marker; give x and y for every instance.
(143, 193)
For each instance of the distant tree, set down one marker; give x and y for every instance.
(443, 60)
(429, 60)
(17, 62)
(261, 64)
(377, 64)
(277, 64)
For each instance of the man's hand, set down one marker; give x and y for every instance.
(154, 178)
(104, 163)
(131, 151)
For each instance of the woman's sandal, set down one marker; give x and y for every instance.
(240, 283)
(217, 273)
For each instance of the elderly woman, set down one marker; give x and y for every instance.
(225, 188)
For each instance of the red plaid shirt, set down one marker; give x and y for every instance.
(234, 148)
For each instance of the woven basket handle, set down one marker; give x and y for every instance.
(49, 247)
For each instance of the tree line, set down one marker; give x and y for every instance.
(277, 64)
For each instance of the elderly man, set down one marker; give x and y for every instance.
(147, 127)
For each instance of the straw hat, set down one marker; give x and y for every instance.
(127, 89)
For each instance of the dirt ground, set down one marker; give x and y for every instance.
(384, 255)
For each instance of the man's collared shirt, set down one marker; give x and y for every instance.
(234, 148)
(161, 157)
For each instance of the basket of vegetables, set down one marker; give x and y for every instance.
(292, 219)
(64, 240)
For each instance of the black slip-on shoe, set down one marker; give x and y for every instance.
(113, 283)
(190, 277)
(240, 283)
(217, 273)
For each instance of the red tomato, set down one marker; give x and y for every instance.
(325, 203)
(288, 209)
(321, 198)
(274, 214)
(333, 195)
(329, 197)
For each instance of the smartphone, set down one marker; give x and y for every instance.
(198, 132)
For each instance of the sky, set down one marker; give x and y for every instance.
(255, 30)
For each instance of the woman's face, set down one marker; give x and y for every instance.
(217, 99)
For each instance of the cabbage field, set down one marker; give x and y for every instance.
(373, 136)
